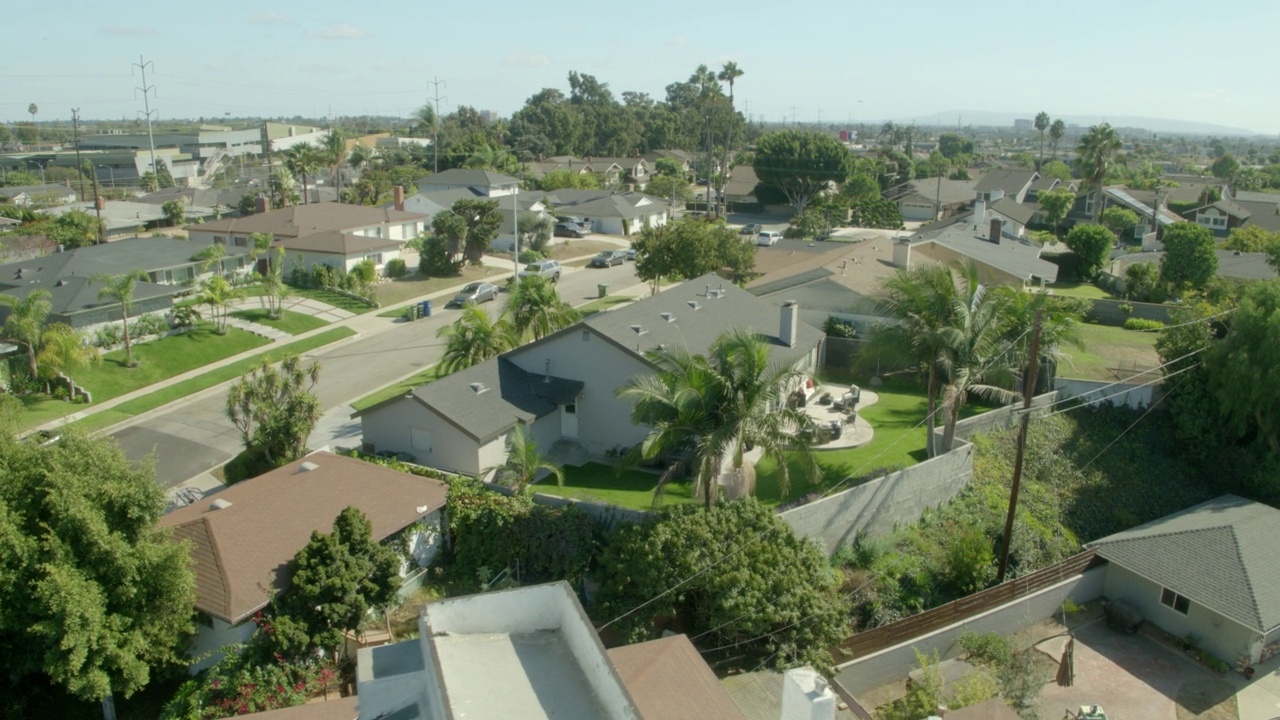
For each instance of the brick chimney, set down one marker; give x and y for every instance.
(261, 205)
(789, 322)
(996, 225)
(399, 196)
(99, 203)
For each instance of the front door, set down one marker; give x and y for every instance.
(569, 421)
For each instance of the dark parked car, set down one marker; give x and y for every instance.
(476, 292)
(572, 230)
(751, 229)
(631, 253)
(609, 258)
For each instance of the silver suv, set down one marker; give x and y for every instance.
(545, 269)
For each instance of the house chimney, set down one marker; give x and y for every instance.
(789, 323)
(399, 196)
(806, 696)
(261, 204)
(979, 211)
(99, 203)
(994, 236)
(902, 253)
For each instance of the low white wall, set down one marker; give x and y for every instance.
(1101, 392)
(892, 664)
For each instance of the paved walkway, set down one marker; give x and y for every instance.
(265, 331)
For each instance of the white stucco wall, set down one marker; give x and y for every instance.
(391, 426)
(311, 259)
(211, 640)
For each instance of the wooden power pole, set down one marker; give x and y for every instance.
(1028, 392)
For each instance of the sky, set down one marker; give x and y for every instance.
(828, 60)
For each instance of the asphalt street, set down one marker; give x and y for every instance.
(196, 436)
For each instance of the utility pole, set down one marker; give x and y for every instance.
(819, 119)
(435, 126)
(793, 114)
(75, 132)
(710, 163)
(937, 200)
(97, 206)
(1028, 392)
(266, 148)
(146, 91)
(515, 230)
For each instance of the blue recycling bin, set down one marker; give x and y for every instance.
(426, 308)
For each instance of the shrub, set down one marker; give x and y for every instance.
(1142, 324)
(839, 328)
(108, 335)
(991, 650)
(364, 271)
(396, 268)
(436, 261)
(529, 256)
(969, 558)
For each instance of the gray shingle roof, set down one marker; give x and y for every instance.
(301, 220)
(1257, 197)
(1015, 210)
(1264, 215)
(605, 203)
(1220, 553)
(1011, 182)
(468, 177)
(1016, 257)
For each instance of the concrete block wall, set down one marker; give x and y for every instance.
(1133, 395)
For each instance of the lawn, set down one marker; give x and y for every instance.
(630, 488)
(1111, 353)
(157, 360)
(602, 304)
(421, 378)
(291, 322)
(337, 300)
(1079, 290)
(413, 286)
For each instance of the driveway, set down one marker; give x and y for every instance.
(1259, 699)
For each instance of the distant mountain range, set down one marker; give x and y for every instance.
(1001, 119)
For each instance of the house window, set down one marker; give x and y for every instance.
(1169, 598)
(242, 242)
(586, 336)
(376, 258)
(219, 240)
(420, 439)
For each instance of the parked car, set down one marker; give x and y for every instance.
(476, 292)
(572, 230)
(768, 237)
(751, 229)
(571, 219)
(609, 258)
(546, 269)
(631, 253)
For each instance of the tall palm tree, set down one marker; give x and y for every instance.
(524, 462)
(32, 109)
(537, 310)
(730, 74)
(218, 294)
(714, 409)
(25, 324)
(1042, 124)
(1059, 325)
(303, 160)
(1096, 154)
(475, 337)
(210, 257)
(1056, 131)
(64, 351)
(119, 288)
(334, 151)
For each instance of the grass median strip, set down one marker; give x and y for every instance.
(291, 322)
(400, 388)
(166, 395)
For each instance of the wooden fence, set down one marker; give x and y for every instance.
(886, 636)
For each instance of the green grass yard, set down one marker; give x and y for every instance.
(294, 323)
(420, 378)
(602, 304)
(1111, 353)
(630, 488)
(1079, 290)
(413, 286)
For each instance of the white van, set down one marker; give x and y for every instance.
(768, 237)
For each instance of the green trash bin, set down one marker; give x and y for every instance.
(602, 290)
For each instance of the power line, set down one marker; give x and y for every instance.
(146, 91)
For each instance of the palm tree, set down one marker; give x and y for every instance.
(537, 310)
(729, 74)
(1056, 131)
(474, 338)
(25, 324)
(64, 351)
(524, 462)
(218, 294)
(1059, 325)
(303, 160)
(1097, 154)
(335, 156)
(1042, 124)
(274, 289)
(714, 409)
(119, 288)
(33, 110)
(210, 257)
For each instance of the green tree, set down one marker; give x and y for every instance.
(535, 231)
(1142, 281)
(801, 165)
(669, 167)
(537, 310)
(64, 351)
(283, 188)
(175, 211)
(1119, 221)
(303, 161)
(1091, 244)
(1097, 154)
(747, 582)
(469, 227)
(1042, 123)
(1056, 169)
(1198, 427)
(119, 289)
(1251, 238)
(814, 222)
(1057, 131)
(25, 323)
(275, 410)
(952, 145)
(210, 258)
(691, 248)
(475, 337)
(274, 289)
(149, 182)
(1055, 205)
(337, 578)
(558, 179)
(524, 462)
(671, 187)
(1225, 167)
(714, 408)
(333, 152)
(218, 294)
(1189, 258)
(75, 228)
(95, 596)
(1244, 369)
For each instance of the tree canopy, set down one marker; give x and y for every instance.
(469, 227)
(1091, 244)
(275, 410)
(1055, 205)
(1189, 258)
(801, 164)
(690, 248)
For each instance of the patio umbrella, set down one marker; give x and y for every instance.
(1067, 667)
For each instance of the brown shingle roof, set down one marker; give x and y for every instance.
(299, 220)
(338, 243)
(668, 679)
(241, 552)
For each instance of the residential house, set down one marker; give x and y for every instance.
(682, 157)
(198, 197)
(243, 538)
(1243, 209)
(350, 234)
(741, 187)
(1015, 184)
(617, 171)
(1207, 572)
(932, 198)
(612, 212)
(1120, 196)
(38, 195)
(125, 217)
(481, 182)
(170, 265)
(432, 202)
(1002, 257)
(562, 386)
(539, 168)
(1232, 264)
(532, 653)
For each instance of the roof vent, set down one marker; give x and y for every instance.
(60, 283)
(638, 329)
(219, 504)
(307, 466)
(478, 388)
(694, 304)
(667, 316)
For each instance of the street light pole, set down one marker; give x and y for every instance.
(515, 230)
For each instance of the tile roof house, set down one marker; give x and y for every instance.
(562, 386)
(1208, 571)
(242, 538)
